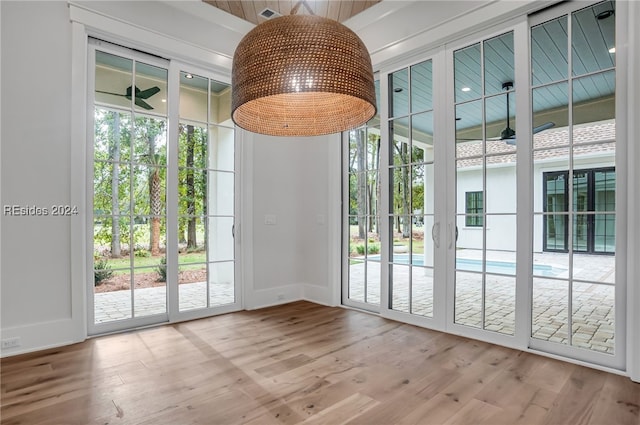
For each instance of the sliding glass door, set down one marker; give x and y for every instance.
(163, 192)
(500, 191)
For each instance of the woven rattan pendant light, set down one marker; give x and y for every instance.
(301, 75)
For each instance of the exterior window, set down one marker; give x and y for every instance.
(473, 208)
(593, 198)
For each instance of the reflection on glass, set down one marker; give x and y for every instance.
(114, 80)
(549, 55)
(399, 91)
(422, 134)
(594, 107)
(550, 116)
(467, 73)
(500, 126)
(498, 63)
(593, 53)
(421, 87)
(220, 103)
(593, 315)
(468, 299)
(150, 89)
(549, 310)
(469, 133)
(193, 97)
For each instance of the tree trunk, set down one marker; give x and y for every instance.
(115, 183)
(191, 191)
(406, 199)
(361, 154)
(155, 201)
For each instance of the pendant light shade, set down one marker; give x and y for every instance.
(301, 75)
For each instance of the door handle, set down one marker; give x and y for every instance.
(435, 234)
(452, 235)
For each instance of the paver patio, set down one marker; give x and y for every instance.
(592, 313)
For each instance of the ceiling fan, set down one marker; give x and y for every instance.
(140, 95)
(508, 135)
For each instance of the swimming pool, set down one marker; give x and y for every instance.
(474, 265)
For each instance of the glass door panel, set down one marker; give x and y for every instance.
(574, 216)
(129, 191)
(484, 279)
(206, 254)
(363, 228)
(411, 192)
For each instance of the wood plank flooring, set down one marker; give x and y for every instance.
(304, 364)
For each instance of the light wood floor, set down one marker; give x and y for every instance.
(305, 363)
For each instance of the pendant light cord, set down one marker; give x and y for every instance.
(295, 8)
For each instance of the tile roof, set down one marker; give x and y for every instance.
(588, 139)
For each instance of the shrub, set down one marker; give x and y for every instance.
(102, 271)
(372, 248)
(162, 269)
(141, 252)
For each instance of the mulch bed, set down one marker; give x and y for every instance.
(147, 280)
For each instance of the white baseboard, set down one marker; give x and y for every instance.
(261, 298)
(42, 336)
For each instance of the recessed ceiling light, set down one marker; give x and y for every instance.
(465, 89)
(164, 100)
(612, 50)
(605, 14)
(189, 76)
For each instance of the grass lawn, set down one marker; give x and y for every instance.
(121, 265)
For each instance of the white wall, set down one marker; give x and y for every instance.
(290, 216)
(37, 300)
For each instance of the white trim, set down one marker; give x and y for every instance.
(244, 142)
(115, 30)
(334, 220)
(79, 223)
(524, 184)
(627, 21)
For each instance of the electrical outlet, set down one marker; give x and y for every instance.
(11, 342)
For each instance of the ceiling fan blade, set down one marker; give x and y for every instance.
(108, 92)
(145, 94)
(543, 127)
(141, 103)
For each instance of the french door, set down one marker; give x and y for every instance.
(163, 162)
(498, 189)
